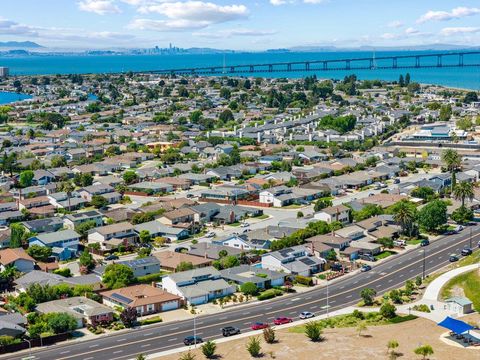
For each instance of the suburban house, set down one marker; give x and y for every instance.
(178, 216)
(18, 258)
(331, 214)
(157, 229)
(262, 278)
(211, 251)
(111, 236)
(88, 191)
(146, 299)
(44, 278)
(296, 260)
(242, 242)
(144, 266)
(64, 243)
(62, 200)
(43, 225)
(12, 324)
(84, 310)
(169, 260)
(198, 286)
(73, 220)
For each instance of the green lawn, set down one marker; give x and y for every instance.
(235, 224)
(262, 217)
(414, 242)
(469, 282)
(384, 255)
(349, 320)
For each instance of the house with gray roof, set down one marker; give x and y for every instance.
(296, 260)
(64, 243)
(156, 228)
(198, 286)
(263, 278)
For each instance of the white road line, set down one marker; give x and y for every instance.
(89, 358)
(332, 301)
(92, 346)
(65, 352)
(176, 328)
(246, 323)
(349, 296)
(389, 281)
(121, 340)
(147, 334)
(172, 339)
(117, 352)
(308, 298)
(146, 345)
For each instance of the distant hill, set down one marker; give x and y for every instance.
(20, 44)
(435, 47)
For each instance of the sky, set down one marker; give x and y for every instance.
(239, 24)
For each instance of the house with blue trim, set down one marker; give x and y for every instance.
(64, 243)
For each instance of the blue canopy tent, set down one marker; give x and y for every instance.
(456, 326)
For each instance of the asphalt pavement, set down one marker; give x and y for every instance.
(342, 293)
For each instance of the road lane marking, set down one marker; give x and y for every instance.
(174, 339)
(65, 352)
(146, 345)
(121, 340)
(94, 345)
(117, 352)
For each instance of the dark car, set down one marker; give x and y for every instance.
(230, 330)
(466, 251)
(111, 257)
(424, 242)
(191, 340)
(396, 181)
(282, 320)
(190, 195)
(259, 326)
(366, 268)
(367, 257)
(336, 267)
(453, 258)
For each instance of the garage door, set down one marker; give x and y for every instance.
(170, 305)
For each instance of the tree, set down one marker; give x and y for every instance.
(433, 215)
(130, 177)
(407, 79)
(462, 215)
(269, 335)
(464, 124)
(140, 357)
(184, 266)
(61, 322)
(313, 330)
(145, 236)
(39, 253)
(401, 81)
(391, 346)
(249, 288)
(128, 316)
(362, 326)
(404, 213)
(187, 356)
(86, 260)
(226, 115)
(253, 347)
(388, 310)
(423, 192)
(445, 112)
(453, 161)
(322, 204)
(368, 295)
(26, 178)
(118, 276)
(85, 179)
(58, 161)
(98, 201)
(17, 235)
(424, 351)
(208, 349)
(386, 242)
(470, 97)
(463, 191)
(84, 227)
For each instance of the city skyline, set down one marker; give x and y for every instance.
(239, 24)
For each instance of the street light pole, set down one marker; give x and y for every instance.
(194, 331)
(29, 348)
(470, 237)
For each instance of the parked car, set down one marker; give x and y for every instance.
(466, 251)
(259, 326)
(111, 257)
(230, 330)
(453, 258)
(336, 267)
(210, 234)
(478, 244)
(282, 320)
(424, 242)
(365, 268)
(367, 257)
(306, 315)
(191, 340)
(396, 181)
(244, 225)
(190, 195)
(399, 243)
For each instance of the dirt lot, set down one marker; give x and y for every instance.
(345, 344)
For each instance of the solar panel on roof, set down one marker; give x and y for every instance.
(307, 261)
(121, 298)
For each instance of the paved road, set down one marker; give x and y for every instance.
(388, 275)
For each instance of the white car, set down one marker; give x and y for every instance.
(306, 315)
(210, 234)
(244, 225)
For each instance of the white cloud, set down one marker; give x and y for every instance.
(100, 7)
(411, 31)
(234, 32)
(283, 2)
(314, 1)
(457, 13)
(449, 31)
(388, 36)
(8, 27)
(278, 2)
(189, 15)
(395, 24)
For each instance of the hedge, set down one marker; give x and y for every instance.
(269, 294)
(304, 280)
(147, 279)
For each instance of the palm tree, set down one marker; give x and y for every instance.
(463, 191)
(68, 188)
(405, 215)
(453, 161)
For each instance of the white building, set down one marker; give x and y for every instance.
(4, 72)
(331, 214)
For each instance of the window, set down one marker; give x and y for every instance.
(140, 310)
(150, 307)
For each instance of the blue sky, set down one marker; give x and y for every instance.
(240, 24)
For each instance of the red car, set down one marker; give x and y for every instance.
(259, 326)
(282, 320)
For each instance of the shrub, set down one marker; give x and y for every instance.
(63, 272)
(421, 307)
(388, 310)
(269, 335)
(249, 288)
(187, 356)
(152, 320)
(304, 280)
(148, 279)
(269, 294)
(313, 330)
(253, 346)
(358, 314)
(424, 351)
(208, 349)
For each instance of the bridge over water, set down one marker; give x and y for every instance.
(414, 61)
